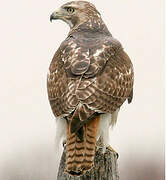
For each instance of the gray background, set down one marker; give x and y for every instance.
(27, 130)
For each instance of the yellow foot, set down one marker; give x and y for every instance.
(112, 150)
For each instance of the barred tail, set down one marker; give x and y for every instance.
(80, 153)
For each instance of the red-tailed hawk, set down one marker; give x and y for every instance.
(90, 78)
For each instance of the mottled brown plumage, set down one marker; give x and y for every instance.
(90, 74)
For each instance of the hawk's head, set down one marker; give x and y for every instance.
(75, 13)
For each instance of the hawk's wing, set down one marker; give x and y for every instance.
(89, 78)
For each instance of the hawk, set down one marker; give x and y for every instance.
(89, 78)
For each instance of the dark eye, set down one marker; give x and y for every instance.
(70, 10)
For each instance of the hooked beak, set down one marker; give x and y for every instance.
(55, 15)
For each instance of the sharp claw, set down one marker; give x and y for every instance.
(64, 143)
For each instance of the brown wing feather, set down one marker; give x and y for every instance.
(77, 90)
(60, 88)
(115, 83)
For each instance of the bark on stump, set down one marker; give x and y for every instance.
(105, 167)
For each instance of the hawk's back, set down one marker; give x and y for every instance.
(90, 73)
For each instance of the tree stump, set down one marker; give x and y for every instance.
(105, 167)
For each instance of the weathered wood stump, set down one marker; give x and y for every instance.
(105, 167)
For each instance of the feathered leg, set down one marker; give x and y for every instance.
(107, 120)
(60, 136)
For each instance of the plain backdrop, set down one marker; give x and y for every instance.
(28, 42)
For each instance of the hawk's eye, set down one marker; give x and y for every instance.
(70, 10)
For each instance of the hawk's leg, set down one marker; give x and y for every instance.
(103, 133)
(59, 137)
